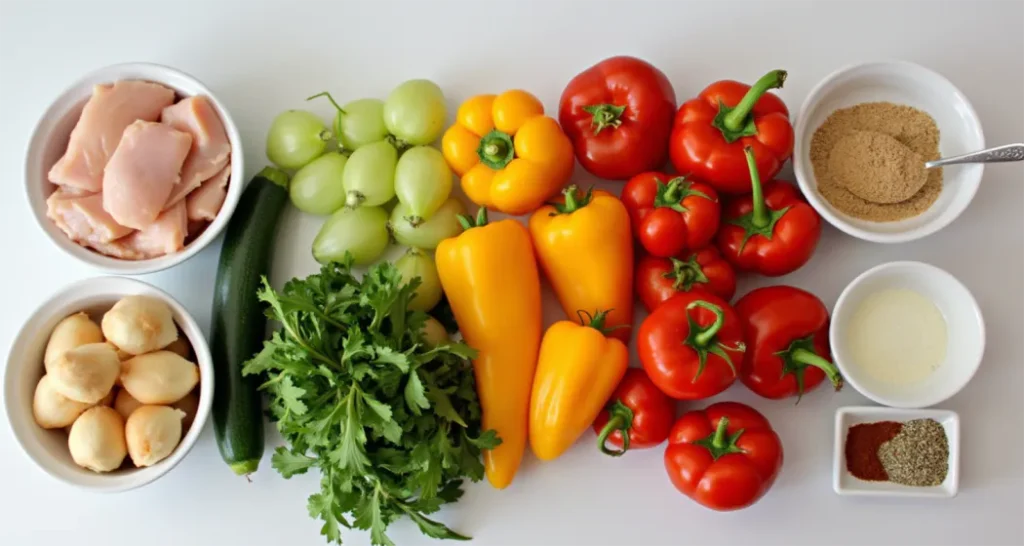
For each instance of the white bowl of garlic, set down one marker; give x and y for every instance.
(108, 384)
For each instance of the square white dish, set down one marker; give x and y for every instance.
(845, 483)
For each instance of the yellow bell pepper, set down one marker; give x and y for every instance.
(490, 276)
(578, 370)
(585, 248)
(509, 155)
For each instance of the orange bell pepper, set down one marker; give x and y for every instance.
(585, 248)
(491, 279)
(578, 370)
(509, 155)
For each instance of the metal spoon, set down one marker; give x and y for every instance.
(999, 154)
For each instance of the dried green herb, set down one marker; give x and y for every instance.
(918, 455)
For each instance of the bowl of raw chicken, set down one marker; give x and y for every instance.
(108, 384)
(134, 168)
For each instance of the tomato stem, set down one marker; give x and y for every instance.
(673, 194)
(703, 340)
(706, 335)
(605, 116)
(761, 217)
(720, 443)
(735, 120)
(620, 417)
(496, 149)
(686, 274)
(801, 354)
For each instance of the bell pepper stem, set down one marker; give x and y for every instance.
(671, 194)
(810, 358)
(737, 118)
(620, 417)
(468, 222)
(596, 321)
(718, 440)
(605, 116)
(707, 335)
(761, 218)
(686, 274)
(496, 149)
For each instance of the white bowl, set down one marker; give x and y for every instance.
(50, 139)
(48, 449)
(902, 83)
(845, 483)
(965, 343)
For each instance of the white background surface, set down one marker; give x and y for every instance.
(261, 58)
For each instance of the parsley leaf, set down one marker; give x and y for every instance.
(393, 426)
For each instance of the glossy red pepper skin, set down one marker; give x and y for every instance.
(773, 231)
(725, 457)
(671, 215)
(707, 140)
(618, 114)
(786, 329)
(640, 409)
(658, 279)
(689, 345)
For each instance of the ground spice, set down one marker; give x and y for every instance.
(918, 455)
(876, 167)
(913, 128)
(862, 444)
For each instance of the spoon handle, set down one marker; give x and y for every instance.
(999, 154)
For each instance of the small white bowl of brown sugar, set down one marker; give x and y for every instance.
(863, 136)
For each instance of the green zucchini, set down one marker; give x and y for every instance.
(239, 324)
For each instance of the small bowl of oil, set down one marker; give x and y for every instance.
(907, 334)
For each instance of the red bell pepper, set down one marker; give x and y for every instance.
(684, 345)
(638, 415)
(618, 114)
(711, 131)
(773, 231)
(725, 457)
(787, 332)
(671, 217)
(658, 279)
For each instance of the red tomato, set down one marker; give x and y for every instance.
(640, 409)
(618, 114)
(685, 343)
(658, 279)
(671, 214)
(725, 457)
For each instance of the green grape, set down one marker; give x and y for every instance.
(433, 333)
(423, 181)
(416, 263)
(415, 112)
(361, 123)
(362, 231)
(370, 175)
(317, 188)
(295, 138)
(444, 223)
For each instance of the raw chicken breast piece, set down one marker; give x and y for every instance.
(82, 218)
(205, 202)
(111, 109)
(210, 146)
(164, 236)
(143, 171)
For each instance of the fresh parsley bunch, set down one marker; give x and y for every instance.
(392, 424)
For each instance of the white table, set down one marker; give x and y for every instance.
(263, 57)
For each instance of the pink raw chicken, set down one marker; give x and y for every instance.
(82, 218)
(143, 171)
(164, 236)
(210, 146)
(205, 203)
(111, 109)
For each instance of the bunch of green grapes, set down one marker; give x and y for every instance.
(385, 156)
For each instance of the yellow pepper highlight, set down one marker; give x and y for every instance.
(490, 276)
(509, 155)
(578, 370)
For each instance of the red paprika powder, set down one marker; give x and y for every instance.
(862, 443)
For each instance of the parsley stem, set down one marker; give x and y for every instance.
(317, 355)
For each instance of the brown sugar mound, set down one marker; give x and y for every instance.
(913, 128)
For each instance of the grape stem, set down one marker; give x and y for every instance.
(330, 98)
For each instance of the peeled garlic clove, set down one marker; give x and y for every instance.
(179, 347)
(97, 439)
(71, 332)
(139, 324)
(125, 404)
(52, 409)
(152, 433)
(86, 373)
(161, 377)
(189, 405)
